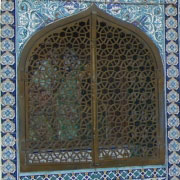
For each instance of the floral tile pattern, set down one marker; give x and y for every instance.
(34, 15)
(172, 56)
(8, 90)
(137, 174)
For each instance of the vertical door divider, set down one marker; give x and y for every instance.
(94, 88)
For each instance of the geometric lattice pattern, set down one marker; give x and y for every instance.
(137, 174)
(126, 95)
(59, 97)
(89, 72)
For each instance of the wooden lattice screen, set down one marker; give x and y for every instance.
(90, 96)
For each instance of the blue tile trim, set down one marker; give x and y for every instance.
(8, 90)
(9, 143)
(172, 50)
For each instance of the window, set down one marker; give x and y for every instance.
(91, 95)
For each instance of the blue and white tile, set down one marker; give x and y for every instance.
(172, 47)
(174, 145)
(173, 121)
(8, 167)
(172, 84)
(7, 86)
(7, 32)
(174, 170)
(7, 5)
(7, 45)
(172, 72)
(8, 153)
(173, 133)
(9, 177)
(7, 59)
(34, 16)
(7, 18)
(174, 158)
(171, 10)
(8, 99)
(7, 113)
(172, 59)
(171, 35)
(7, 72)
(173, 96)
(8, 126)
(8, 140)
(171, 1)
(171, 22)
(173, 108)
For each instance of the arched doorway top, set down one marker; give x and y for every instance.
(93, 9)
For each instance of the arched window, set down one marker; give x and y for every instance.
(90, 95)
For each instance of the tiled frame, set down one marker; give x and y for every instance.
(172, 60)
(8, 91)
(8, 106)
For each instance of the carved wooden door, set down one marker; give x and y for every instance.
(91, 96)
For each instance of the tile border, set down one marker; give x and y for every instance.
(8, 105)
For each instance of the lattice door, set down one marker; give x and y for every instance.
(59, 96)
(127, 93)
(91, 92)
